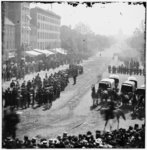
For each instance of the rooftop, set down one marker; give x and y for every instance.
(8, 22)
(46, 12)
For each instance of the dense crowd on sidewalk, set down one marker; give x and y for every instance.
(18, 69)
(133, 137)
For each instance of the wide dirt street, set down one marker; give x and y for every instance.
(71, 112)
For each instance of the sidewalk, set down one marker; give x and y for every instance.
(31, 76)
(6, 84)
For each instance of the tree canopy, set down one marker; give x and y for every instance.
(82, 39)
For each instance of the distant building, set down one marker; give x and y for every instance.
(8, 39)
(45, 26)
(19, 13)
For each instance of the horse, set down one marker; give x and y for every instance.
(112, 114)
(126, 98)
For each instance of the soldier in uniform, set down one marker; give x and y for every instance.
(19, 98)
(109, 69)
(14, 97)
(127, 70)
(143, 72)
(114, 69)
(131, 70)
(140, 71)
(29, 85)
(58, 90)
(7, 97)
(39, 96)
(32, 98)
(75, 74)
(137, 71)
(51, 95)
(28, 97)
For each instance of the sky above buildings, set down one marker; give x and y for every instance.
(104, 19)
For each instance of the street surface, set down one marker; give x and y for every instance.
(71, 112)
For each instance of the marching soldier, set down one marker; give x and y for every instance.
(109, 69)
(140, 71)
(14, 97)
(114, 69)
(75, 74)
(143, 72)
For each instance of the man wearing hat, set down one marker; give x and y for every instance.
(98, 134)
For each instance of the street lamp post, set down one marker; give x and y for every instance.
(83, 46)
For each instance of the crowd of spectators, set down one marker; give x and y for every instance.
(38, 91)
(133, 137)
(18, 69)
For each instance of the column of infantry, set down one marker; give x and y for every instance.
(37, 91)
(129, 67)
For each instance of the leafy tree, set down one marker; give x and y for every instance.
(82, 39)
(137, 41)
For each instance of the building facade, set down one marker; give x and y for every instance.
(19, 13)
(8, 39)
(45, 25)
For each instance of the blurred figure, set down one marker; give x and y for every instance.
(10, 121)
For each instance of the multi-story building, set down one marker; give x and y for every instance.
(8, 39)
(46, 27)
(19, 13)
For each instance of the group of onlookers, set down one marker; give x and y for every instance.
(133, 137)
(18, 69)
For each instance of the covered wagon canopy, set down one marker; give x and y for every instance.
(132, 78)
(114, 76)
(32, 53)
(46, 52)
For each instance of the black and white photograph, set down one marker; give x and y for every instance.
(73, 74)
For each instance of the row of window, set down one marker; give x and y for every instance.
(25, 7)
(10, 44)
(9, 31)
(25, 18)
(45, 45)
(25, 40)
(48, 19)
(44, 35)
(25, 31)
(48, 27)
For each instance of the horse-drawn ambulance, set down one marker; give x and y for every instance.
(133, 79)
(116, 79)
(106, 86)
(128, 87)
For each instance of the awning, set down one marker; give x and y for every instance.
(46, 52)
(29, 17)
(32, 53)
(28, 28)
(60, 50)
(11, 55)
